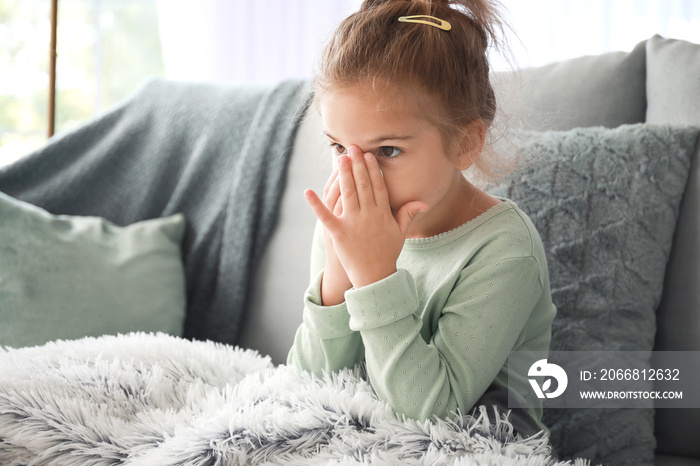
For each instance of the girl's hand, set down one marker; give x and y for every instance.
(335, 281)
(365, 235)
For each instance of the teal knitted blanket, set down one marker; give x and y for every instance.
(217, 154)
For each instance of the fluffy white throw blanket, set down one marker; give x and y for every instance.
(143, 399)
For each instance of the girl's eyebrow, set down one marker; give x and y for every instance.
(389, 137)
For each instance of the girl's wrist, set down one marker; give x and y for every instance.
(332, 297)
(367, 277)
(333, 290)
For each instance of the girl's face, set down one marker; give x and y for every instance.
(409, 150)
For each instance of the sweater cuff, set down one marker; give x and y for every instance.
(383, 302)
(326, 322)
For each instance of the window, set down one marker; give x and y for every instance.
(554, 30)
(106, 48)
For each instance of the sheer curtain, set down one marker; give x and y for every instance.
(268, 40)
(553, 30)
(244, 40)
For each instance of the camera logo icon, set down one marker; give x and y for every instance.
(542, 368)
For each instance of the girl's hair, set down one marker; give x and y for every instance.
(447, 72)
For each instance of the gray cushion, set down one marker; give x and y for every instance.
(673, 81)
(673, 88)
(277, 292)
(605, 202)
(67, 277)
(605, 90)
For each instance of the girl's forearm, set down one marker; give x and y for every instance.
(324, 340)
(325, 353)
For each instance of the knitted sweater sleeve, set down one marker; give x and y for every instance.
(480, 323)
(324, 341)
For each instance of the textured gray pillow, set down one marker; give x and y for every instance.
(67, 277)
(605, 202)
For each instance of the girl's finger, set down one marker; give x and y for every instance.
(328, 220)
(407, 212)
(347, 184)
(338, 208)
(329, 183)
(381, 195)
(363, 185)
(332, 196)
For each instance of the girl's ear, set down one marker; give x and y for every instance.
(473, 139)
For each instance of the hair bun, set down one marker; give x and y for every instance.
(375, 3)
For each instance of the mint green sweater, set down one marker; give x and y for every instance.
(438, 332)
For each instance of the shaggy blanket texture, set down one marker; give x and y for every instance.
(143, 399)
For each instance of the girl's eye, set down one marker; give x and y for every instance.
(389, 151)
(339, 149)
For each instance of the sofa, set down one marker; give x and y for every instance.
(657, 82)
(549, 109)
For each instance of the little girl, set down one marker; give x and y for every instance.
(420, 275)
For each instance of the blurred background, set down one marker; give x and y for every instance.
(107, 48)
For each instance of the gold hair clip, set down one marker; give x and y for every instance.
(441, 23)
